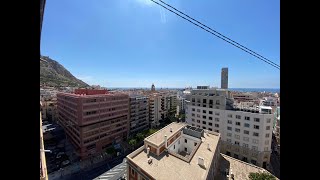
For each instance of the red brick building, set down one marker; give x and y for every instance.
(93, 119)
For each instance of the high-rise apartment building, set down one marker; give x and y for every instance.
(139, 113)
(93, 119)
(245, 133)
(224, 78)
(177, 151)
(157, 108)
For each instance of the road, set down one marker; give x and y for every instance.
(94, 171)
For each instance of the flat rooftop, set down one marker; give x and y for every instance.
(167, 166)
(240, 169)
(158, 137)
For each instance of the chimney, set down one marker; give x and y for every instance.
(165, 141)
(148, 151)
(208, 146)
(171, 129)
(200, 161)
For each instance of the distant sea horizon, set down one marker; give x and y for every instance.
(271, 90)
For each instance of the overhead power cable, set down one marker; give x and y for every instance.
(215, 33)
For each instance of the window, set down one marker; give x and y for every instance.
(247, 118)
(192, 124)
(192, 120)
(266, 148)
(253, 161)
(246, 139)
(246, 132)
(198, 121)
(255, 126)
(216, 119)
(236, 142)
(193, 109)
(237, 130)
(267, 135)
(216, 131)
(229, 134)
(238, 123)
(216, 125)
(255, 141)
(255, 134)
(268, 120)
(198, 115)
(204, 101)
(193, 114)
(174, 146)
(210, 101)
(193, 100)
(132, 172)
(217, 102)
(210, 118)
(230, 115)
(255, 148)
(210, 129)
(195, 144)
(198, 110)
(236, 156)
(238, 116)
(256, 119)
(268, 128)
(204, 111)
(217, 114)
(229, 122)
(236, 136)
(229, 140)
(186, 149)
(229, 128)
(246, 125)
(204, 122)
(210, 124)
(266, 142)
(198, 126)
(245, 145)
(210, 112)
(185, 140)
(204, 127)
(204, 117)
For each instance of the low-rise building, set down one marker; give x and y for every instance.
(177, 151)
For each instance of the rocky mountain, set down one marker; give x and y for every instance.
(54, 74)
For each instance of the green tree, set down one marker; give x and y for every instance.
(140, 136)
(261, 176)
(132, 142)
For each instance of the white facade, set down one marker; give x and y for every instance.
(249, 130)
(184, 143)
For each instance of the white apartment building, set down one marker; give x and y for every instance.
(157, 109)
(246, 134)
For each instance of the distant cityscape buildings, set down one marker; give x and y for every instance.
(224, 78)
(220, 129)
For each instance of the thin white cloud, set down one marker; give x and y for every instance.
(163, 15)
(145, 2)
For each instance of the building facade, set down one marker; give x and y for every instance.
(224, 78)
(93, 119)
(245, 133)
(139, 113)
(276, 129)
(158, 110)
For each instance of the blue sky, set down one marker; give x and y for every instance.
(134, 43)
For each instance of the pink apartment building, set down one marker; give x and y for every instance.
(93, 119)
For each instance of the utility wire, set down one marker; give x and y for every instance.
(228, 40)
